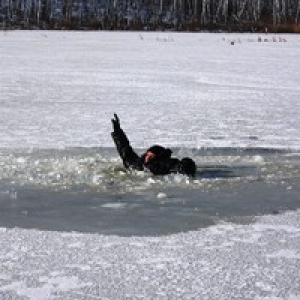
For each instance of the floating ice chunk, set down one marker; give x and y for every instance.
(258, 159)
(150, 180)
(161, 196)
(178, 178)
(140, 173)
(114, 205)
(97, 178)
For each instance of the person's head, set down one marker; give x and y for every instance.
(156, 152)
(187, 166)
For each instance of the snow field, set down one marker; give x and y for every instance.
(257, 261)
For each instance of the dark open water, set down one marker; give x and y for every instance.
(88, 190)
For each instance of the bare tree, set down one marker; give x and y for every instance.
(297, 12)
(206, 12)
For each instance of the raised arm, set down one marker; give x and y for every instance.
(129, 157)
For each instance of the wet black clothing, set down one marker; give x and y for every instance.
(157, 159)
(162, 164)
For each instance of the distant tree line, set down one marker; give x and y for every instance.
(235, 15)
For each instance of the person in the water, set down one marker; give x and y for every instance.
(156, 159)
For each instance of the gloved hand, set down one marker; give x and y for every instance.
(116, 123)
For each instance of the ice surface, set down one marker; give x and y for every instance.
(60, 89)
(259, 261)
(196, 90)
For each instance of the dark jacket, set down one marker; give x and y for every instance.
(162, 164)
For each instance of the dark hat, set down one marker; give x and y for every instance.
(187, 166)
(160, 151)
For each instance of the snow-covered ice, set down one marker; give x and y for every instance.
(227, 261)
(61, 89)
(58, 90)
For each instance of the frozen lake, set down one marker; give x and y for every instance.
(194, 90)
(230, 101)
